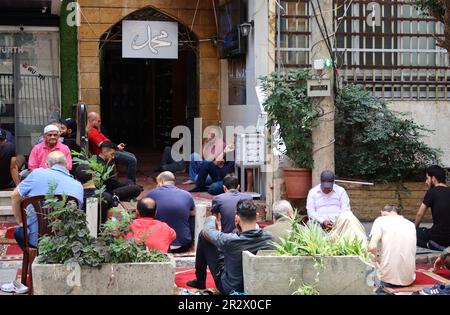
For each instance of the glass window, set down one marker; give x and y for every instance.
(29, 83)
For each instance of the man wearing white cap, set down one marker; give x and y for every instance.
(40, 151)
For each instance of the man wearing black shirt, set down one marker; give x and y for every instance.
(124, 190)
(9, 172)
(438, 199)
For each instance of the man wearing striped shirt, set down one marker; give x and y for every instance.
(326, 201)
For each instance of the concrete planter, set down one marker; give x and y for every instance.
(109, 279)
(267, 274)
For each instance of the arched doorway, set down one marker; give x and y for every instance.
(141, 100)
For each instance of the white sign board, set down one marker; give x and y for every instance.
(150, 39)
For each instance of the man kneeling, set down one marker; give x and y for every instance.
(156, 234)
(227, 267)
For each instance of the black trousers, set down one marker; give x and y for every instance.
(207, 255)
(426, 240)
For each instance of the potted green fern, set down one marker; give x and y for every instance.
(289, 107)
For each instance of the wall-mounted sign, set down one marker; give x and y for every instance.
(11, 49)
(150, 39)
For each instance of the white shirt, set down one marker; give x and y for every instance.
(321, 206)
(397, 261)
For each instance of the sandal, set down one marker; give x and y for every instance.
(14, 287)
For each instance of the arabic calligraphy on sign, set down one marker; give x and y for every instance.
(150, 39)
(152, 42)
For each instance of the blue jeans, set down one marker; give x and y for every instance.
(216, 173)
(18, 235)
(128, 159)
(195, 164)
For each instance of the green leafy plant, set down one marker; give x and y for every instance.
(100, 172)
(311, 240)
(376, 143)
(289, 107)
(70, 240)
(121, 249)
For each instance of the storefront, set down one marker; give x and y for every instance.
(29, 82)
(29, 69)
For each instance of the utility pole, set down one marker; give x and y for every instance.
(323, 135)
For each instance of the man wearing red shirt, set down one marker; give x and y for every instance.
(156, 234)
(40, 151)
(96, 138)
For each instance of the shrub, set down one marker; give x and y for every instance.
(70, 240)
(289, 107)
(376, 143)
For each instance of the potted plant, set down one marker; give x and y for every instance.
(70, 261)
(289, 107)
(310, 262)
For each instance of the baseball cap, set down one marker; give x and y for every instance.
(50, 128)
(2, 134)
(327, 179)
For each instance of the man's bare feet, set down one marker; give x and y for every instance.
(188, 182)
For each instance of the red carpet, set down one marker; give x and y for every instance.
(9, 250)
(424, 279)
(183, 275)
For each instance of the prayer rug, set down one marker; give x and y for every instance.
(9, 250)
(183, 275)
(425, 278)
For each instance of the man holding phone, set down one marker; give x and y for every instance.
(96, 138)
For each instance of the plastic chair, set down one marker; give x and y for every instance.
(30, 252)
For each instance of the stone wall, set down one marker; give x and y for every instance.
(100, 15)
(367, 201)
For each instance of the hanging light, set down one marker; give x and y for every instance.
(246, 28)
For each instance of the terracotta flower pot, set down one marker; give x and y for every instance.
(298, 182)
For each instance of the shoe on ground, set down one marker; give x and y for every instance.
(14, 287)
(196, 284)
(438, 289)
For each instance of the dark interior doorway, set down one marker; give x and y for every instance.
(143, 99)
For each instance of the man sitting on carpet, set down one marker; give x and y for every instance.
(175, 207)
(37, 183)
(438, 199)
(326, 201)
(227, 270)
(156, 234)
(282, 227)
(224, 209)
(396, 265)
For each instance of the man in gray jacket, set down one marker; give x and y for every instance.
(227, 272)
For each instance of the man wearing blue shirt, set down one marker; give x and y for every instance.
(37, 183)
(175, 207)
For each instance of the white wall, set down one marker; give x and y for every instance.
(257, 65)
(433, 115)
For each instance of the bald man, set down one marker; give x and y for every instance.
(96, 138)
(156, 234)
(38, 183)
(175, 207)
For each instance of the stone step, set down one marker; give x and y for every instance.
(5, 211)
(5, 198)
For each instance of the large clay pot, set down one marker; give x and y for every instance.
(298, 182)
